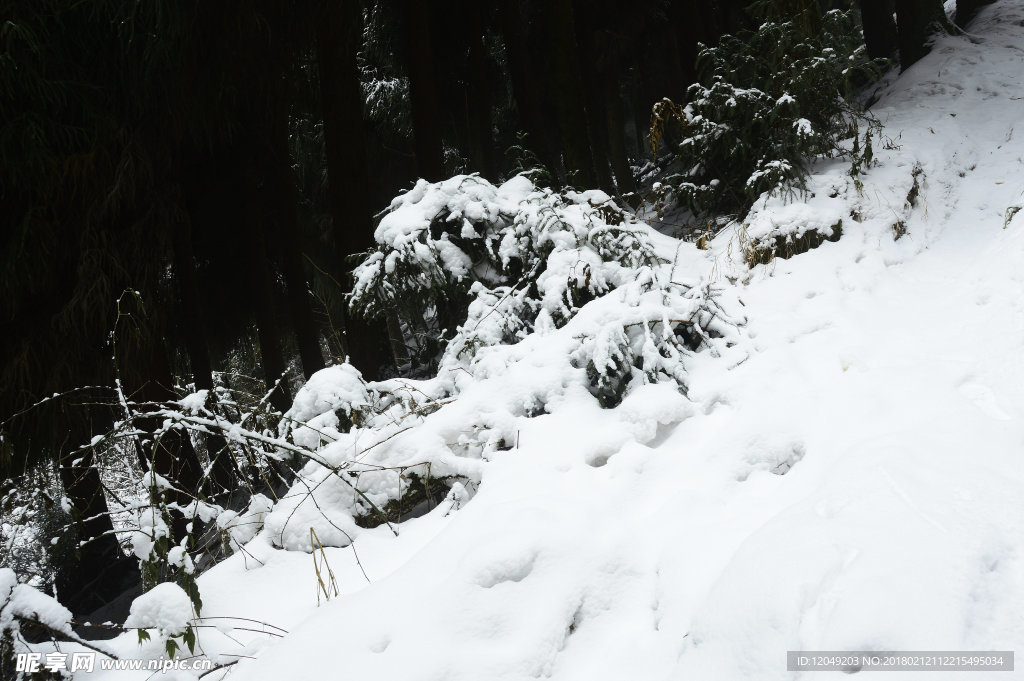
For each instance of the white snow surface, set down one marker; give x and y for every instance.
(21, 601)
(848, 477)
(166, 607)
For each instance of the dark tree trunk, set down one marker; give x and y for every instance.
(268, 331)
(730, 17)
(268, 336)
(171, 455)
(145, 377)
(288, 241)
(967, 9)
(624, 181)
(600, 42)
(917, 21)
(567, 94)
(148, 382)
(656, 63)
(339, 37)
(423, 92)
(535, 121)
(666, 72)
(224, 471)
(97, 571)
(688, 20)
(595, 92)
(597, 133)
(880, 34)
(639, 112)
(478, 93)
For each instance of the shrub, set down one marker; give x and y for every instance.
(770, 101)
(488, 265)
(538, 298)
(445, 246)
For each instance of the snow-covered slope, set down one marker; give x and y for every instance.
(851, 478)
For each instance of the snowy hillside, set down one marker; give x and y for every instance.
(844, 472)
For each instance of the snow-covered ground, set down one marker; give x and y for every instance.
(848, 476)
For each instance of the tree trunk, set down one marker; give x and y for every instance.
(268, 332)
(478, 93)
(967, 9)
(917, 21)
(97, 571)
(597, 135)
(599, 37)
(339, 37)
(688, 19)
(567, 93)
(224, 471)
(880, 34)
(147, 381)
(171, 455)
(639, 113)
(535, 122)
(288, 241)
(594, 89)
(423, 94)
(624, 181)
(268, 335)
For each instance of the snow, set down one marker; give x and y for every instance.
(166, 607)
(19, 601)
(804, 127)
(194, 403)
(313, 413)
(151, 528)
(241, 528)
(842, 472)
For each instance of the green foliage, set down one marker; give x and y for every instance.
(643, 349)
(382, 74)
(770, 101)
(469, 242)
(492, 265)
(523, 159)
(166, 561)
(416, 490)
(862, 155)
(30, 516)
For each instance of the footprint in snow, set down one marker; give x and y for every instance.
(511, 569)
(776, 459)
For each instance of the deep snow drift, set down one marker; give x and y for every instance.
(847, 475)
